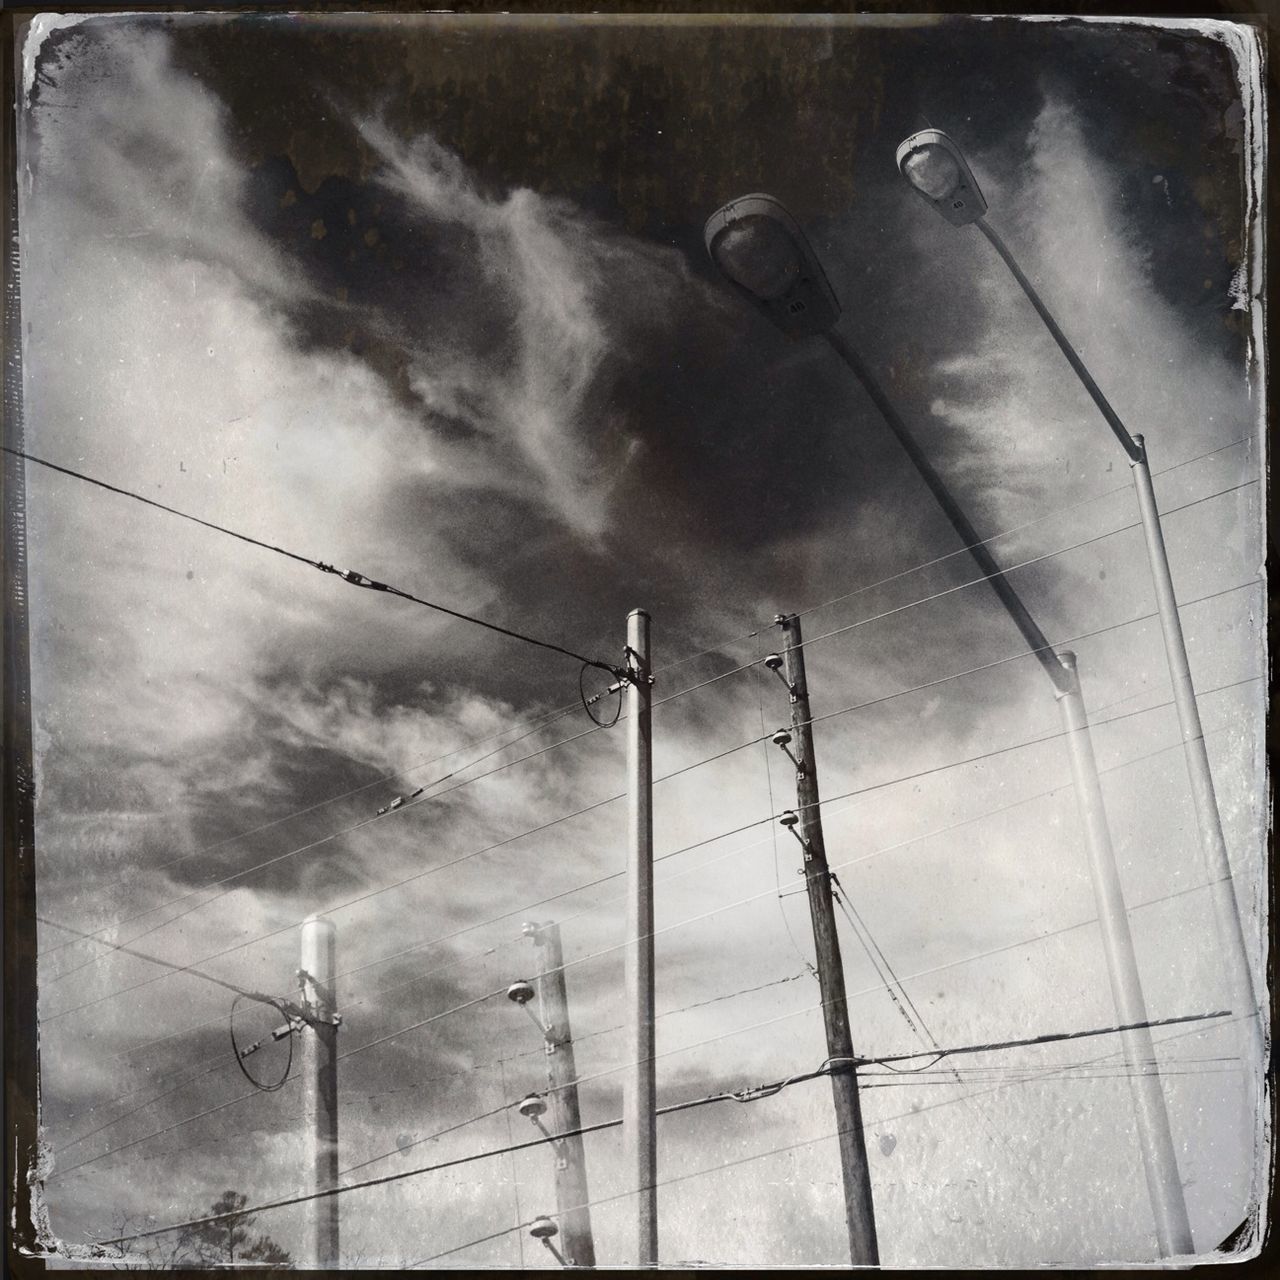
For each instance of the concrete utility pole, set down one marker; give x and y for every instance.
(859, 1211)
(319, 1036)
(639, 1088)
(572, 1197)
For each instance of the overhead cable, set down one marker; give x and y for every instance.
(742, 1095)
(347, 575)
(601, 725)
(1017, 746)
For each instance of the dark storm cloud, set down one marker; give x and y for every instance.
(740, 443)
(734, 454)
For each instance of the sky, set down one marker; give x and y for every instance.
(427, 298)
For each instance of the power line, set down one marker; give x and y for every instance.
(743, 1095)
(684, 1049)
(733, 853)
(814, 720)
(246, 1096)
(1092, 1069)
(167, 964)
(741, 1160)
(149, 1102)
(848, 862)
(903, 573)
(945, 592)
(995, 537)
(540, 722)
(747, 826)
(315, 844)
(659, 702)
(347, 575)
(673, 853)
(1023, 564)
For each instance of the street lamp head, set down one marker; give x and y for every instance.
(759, 247)
(543, 1229)
(935, 167)
(781, 738)
(520, 992)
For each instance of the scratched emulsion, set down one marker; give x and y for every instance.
(427, 299)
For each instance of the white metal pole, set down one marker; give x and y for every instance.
(639, 1095)
(1226, 907)
(319, 1036)
(1244, 1001)
(1173, 1228)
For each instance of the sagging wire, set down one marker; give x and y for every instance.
(294, 1019)
(588, 703)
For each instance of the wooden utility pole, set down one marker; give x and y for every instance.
(859, 1212)
(319, 1036)
(572, 1198)
(639, 1090)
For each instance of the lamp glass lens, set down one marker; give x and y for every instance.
(760, 255)
(933, 170)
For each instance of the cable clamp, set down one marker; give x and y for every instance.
(359, 580)
(756, 1093)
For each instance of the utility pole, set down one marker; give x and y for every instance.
(859, 1211)
(572, 1198)
(319, 1036)
(639, 1089)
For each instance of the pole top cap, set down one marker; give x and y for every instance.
(638, 613)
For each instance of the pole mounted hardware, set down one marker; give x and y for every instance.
(291, 1027)
(533, 1107)
(544, 1229)
(559, 1103)
(313, 1013)
(781, 739)
(521, 993)
(774, 662)
(630, 674)
(791, 820)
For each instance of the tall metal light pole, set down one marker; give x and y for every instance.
(765, 254)
(639, 1088)
(936, 169)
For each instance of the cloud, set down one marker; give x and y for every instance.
(582, 419)
(554, 281)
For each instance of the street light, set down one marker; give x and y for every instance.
(917, 161)
(741, 247)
